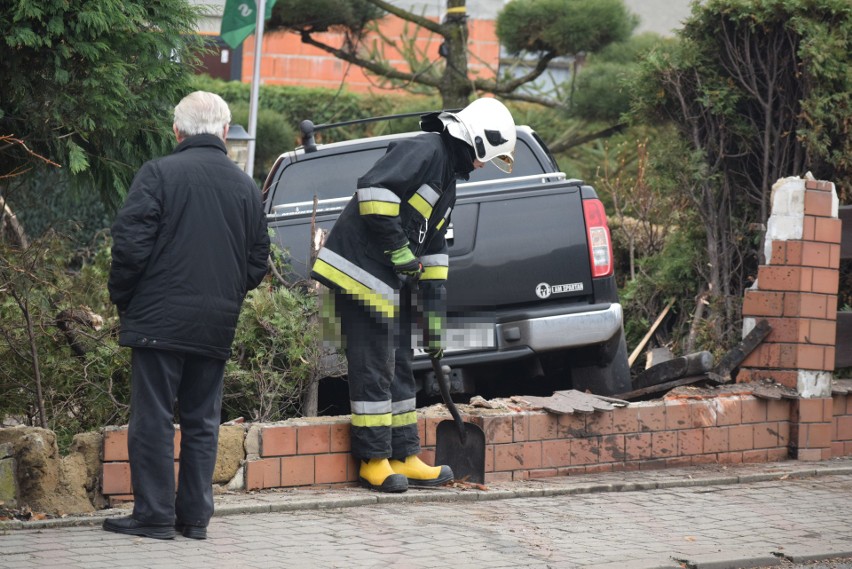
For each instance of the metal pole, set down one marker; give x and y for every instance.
(255, 85)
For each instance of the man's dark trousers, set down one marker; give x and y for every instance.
(158, 378)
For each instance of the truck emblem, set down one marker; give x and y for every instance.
(544, 290)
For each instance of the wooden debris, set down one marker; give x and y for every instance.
(722, 372)
(657, 356)
(638, 349)
(572, 401)
(685, 366)
(692, 368)
(841, 386)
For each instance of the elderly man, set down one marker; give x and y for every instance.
(188, 244)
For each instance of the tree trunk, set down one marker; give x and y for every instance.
(456, 87)
(24, 306)
(697, 318)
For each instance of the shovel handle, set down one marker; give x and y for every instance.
(444, 385)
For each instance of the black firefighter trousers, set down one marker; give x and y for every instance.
(159, 377)
(382, 389)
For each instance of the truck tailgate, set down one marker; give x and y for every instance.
(529, 246)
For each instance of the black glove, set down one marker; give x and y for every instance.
(408, 267)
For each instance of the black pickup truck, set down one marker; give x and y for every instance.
(532, 300)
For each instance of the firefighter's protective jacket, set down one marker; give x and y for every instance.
(406, 198)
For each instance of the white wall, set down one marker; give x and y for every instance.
(660, 16)
(212, 21)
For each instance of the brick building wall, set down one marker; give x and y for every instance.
(285, 60)
(289, 62)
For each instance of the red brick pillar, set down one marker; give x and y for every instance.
(796, 292)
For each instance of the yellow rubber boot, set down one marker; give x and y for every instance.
(377, 474)
(421, 474)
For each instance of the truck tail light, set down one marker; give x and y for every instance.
(600, 244)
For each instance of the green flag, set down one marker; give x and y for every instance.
(240, 19)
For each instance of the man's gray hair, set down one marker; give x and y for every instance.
(202, 112)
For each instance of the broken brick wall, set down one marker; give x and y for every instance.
(525, 444)
(796, 292)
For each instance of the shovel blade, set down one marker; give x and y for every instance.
(466, 458)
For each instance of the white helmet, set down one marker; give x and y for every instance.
(487, 126)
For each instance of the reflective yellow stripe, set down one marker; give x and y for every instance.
(404, 419)
(377, 201)
(441, 223)
(420, 204)
(383, 420)
(378, 208)
(355, 288)
(434, 273)
(435, 267)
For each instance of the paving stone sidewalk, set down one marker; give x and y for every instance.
(708, 517)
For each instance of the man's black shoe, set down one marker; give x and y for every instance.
(130, 526)
(192, 532)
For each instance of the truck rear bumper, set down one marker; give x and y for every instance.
(527, 336)
(561, 331)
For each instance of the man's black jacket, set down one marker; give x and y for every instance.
(188, 244)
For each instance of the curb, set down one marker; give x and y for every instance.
(555, 487)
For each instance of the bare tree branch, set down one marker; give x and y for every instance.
(543, 101)
(376, 67)
(563, 145)
(501, 88)
(408, 16)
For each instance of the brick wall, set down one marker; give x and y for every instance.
(537, 444)
(796, 290)
(841, 425)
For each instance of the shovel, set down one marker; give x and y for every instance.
(459, 445)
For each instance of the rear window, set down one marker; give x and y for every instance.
(325, 176)
(336, 176)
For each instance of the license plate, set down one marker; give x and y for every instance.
(463, 335)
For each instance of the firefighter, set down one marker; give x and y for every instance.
(386, 247)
